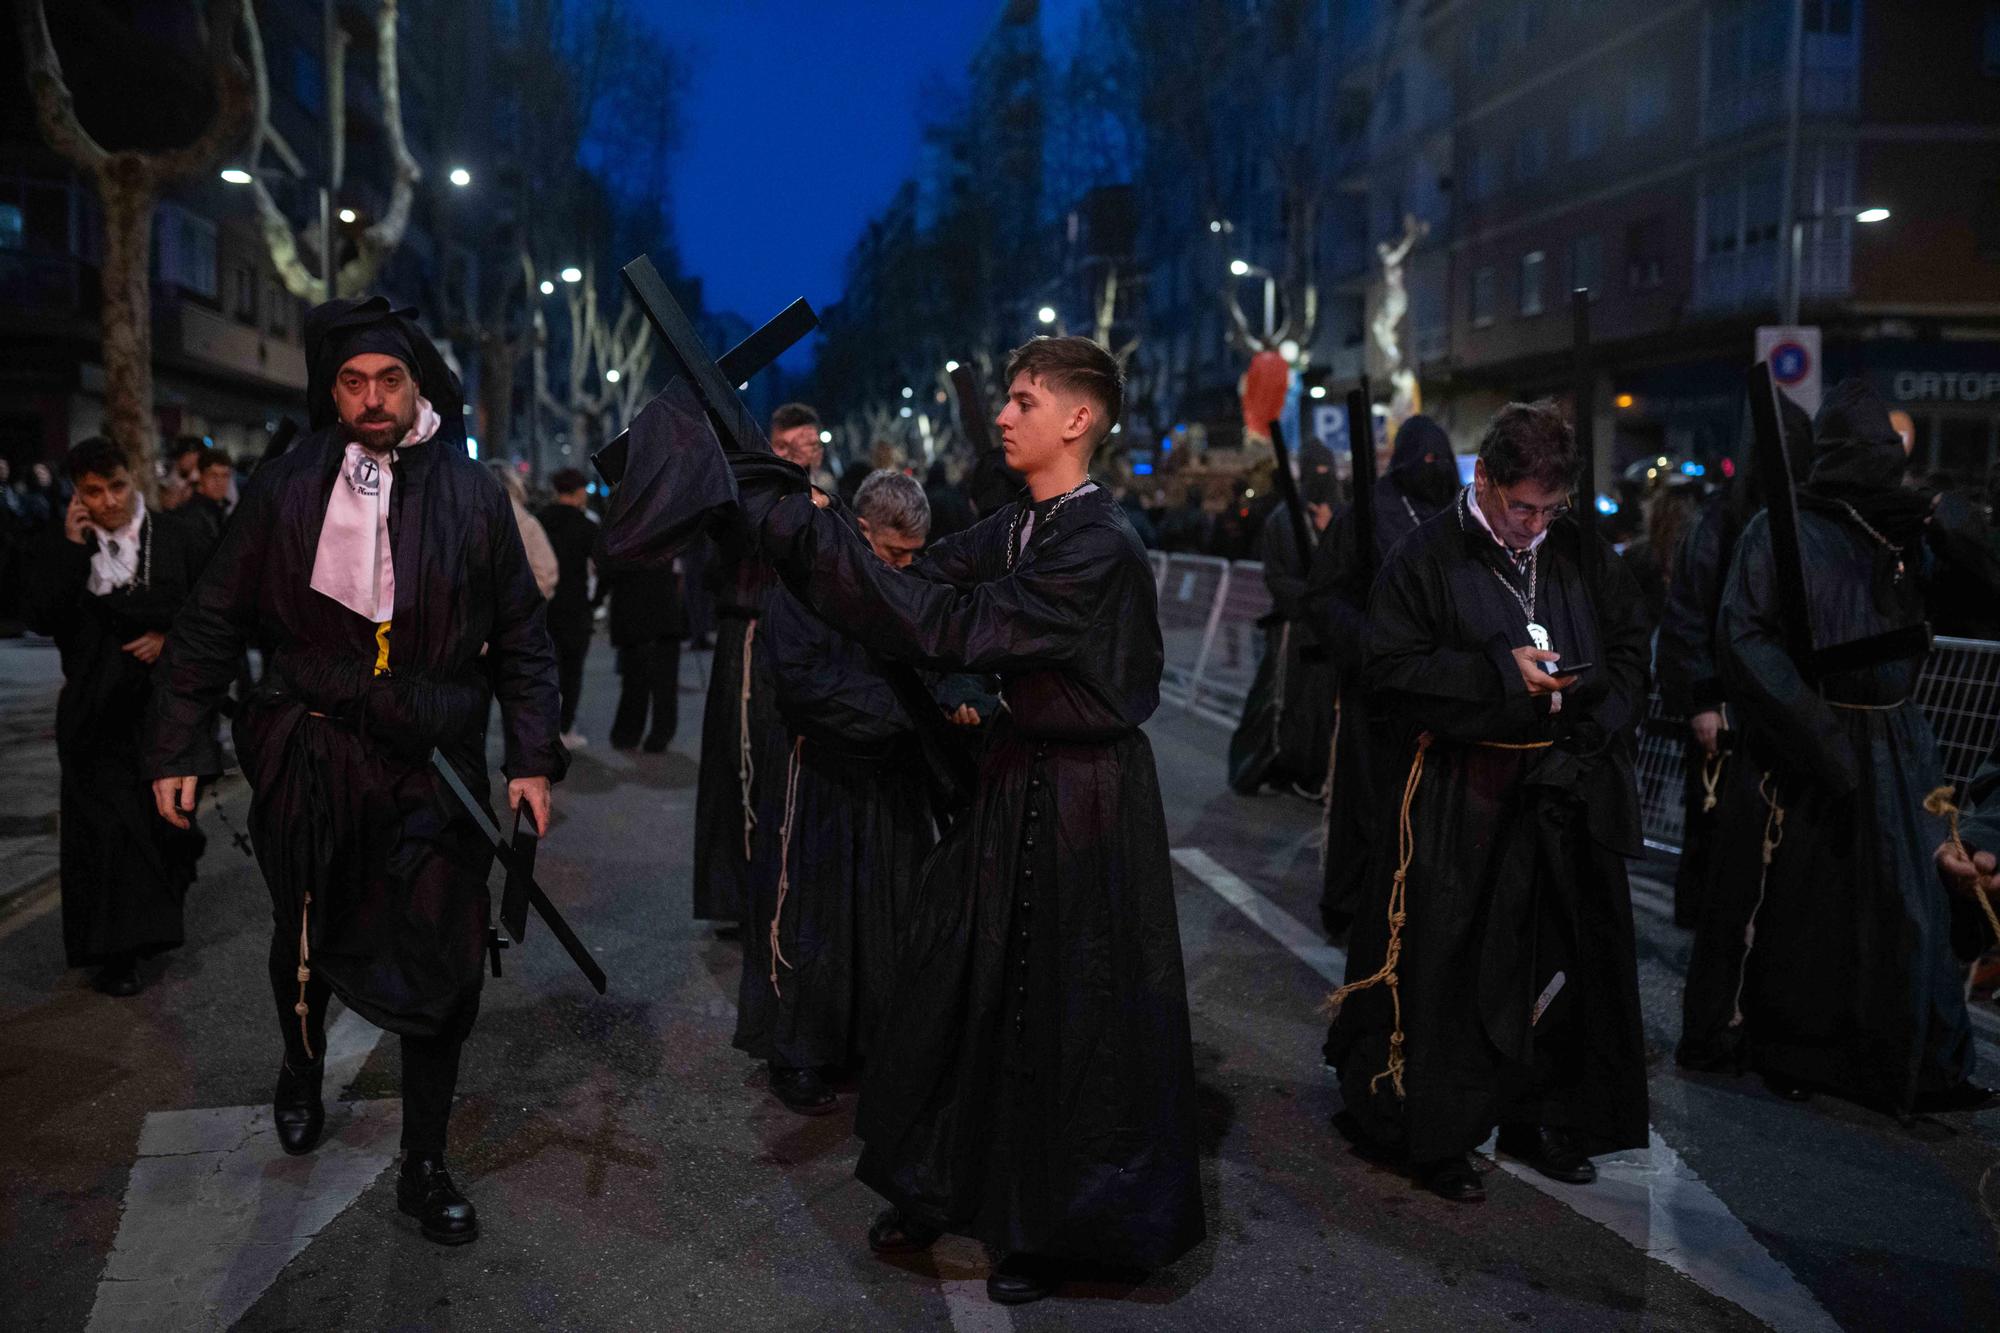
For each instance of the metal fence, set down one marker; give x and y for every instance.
(1209, 609)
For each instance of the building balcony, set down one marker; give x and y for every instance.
(211, 341)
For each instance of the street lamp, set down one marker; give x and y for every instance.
(236, 175)
(950, 366)
(1319, 391)
(826, 437)
(611, 375)
(347, 216)
(1243, 268)
(1047, 314)
(571, 274)
(461, 177)
(548, 288)
(1870, 215)
(908, 392)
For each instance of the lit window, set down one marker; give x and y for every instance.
(1532, 265)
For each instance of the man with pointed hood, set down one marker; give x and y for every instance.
(382, 572)
(1421, 481)
(1846, 981)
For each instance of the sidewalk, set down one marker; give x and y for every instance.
(30, 678)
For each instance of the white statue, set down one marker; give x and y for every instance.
(1405, 398)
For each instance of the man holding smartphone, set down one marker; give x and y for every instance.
(1492, 978)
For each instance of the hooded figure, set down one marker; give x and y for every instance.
(382, 572)
(1287, 722)
(1844, 979)
(1421, 481)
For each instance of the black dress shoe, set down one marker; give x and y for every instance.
(1454, 1178)
(1549, 1151)
(297, 1108)
(658, 744)
(424, 1191)
(803, 1090)
(119, 976)
(1789, 1089)
(1966, 1096)
(1022, 1278)
(894, 1233)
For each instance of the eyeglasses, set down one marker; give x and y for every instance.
(1524, 512)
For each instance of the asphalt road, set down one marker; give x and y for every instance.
(632, 1172)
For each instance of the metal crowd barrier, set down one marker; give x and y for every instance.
(1209, 609)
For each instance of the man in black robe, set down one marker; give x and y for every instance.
(853, 818)
(1845, 979)
(572, 534)
(1492, 978)
(374, 561)
(647, 622)
(743, 741)
(105, 586)
(1036, 1089)
(1421, 480)
(1283, 737)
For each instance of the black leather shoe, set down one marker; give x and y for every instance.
(893, 1233)
(424, 1191)
(658, 744)
(1022, 1278)
(1454, 1178)
(1789, 1089)
(1967, 1096)
(119, 977)
(803, 1090)
(1549, 1151)
(297, 1108)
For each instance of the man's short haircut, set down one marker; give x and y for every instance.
(1530, 442)
(94, 457)
(216, 458)
(790, 416)
(568, 481)
(186, 444)
(890, 499)
(1077, 366)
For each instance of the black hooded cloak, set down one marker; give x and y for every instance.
(1844, 975)
(1421, 480)
(125, 871)
(357, 836)
(1519, 826)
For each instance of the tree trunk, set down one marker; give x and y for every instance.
(125, 188)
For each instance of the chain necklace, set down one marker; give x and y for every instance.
(1538, 633)
(1021, 516)
(1880, 540)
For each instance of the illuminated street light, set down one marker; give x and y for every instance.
(236, 175)
(461, 177)
(347, 215)
(1872, 215)
(826, 437)
(1240, 267)
(611, 375)
(905, 413)
(571, 274)
(1624, 400)
(1047, 314)
(950, 366)
(1319, 391)
(548, 288)
(908, 392)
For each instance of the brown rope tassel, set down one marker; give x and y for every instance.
(1941, 804)
(746, 764)
(305, 975)
(1774, 837)
(784, 863)
(1385, 975)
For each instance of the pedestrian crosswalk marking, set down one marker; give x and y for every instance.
(1651, 1198)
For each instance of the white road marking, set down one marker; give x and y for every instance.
(214, 1209)
(1651, 1199)
(46, 899)
(962, 1268)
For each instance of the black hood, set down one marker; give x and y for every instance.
(1858, 446)
(1422, 464)
(1316, 479)
(338, 329)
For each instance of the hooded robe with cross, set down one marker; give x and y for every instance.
(1841, 951)
(393, 600)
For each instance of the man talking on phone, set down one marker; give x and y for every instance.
(381, 572)
(1491, 975)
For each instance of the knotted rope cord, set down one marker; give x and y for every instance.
(784, 862)
(1940, 803)
(1711, 775)
(746, 764)
(1385, 975)
(305, 975)
(1774, 836)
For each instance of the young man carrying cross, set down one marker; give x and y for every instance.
(1036, 1090)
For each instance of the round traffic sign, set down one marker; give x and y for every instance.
(1790, 363)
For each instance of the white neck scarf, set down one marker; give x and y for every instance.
(115, 562)
(1479, 517)
(354, 564)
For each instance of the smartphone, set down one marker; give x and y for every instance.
(1567, 668)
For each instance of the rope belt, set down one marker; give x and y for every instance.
(1406, 849)
(1711, 777)
(785, 862)
(305, 975)
(746, 764)
(1774, 835)
(1940, 803)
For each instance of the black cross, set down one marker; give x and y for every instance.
(714, 380)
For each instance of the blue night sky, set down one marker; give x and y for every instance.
(803, 118)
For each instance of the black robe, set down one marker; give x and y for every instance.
(1848, 983)
(1284, 738)
(1035, 1087)
(125, 871)
(735, 780)
(850, 818)
(346, 807)
(1365, 758)
(1517, 869)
